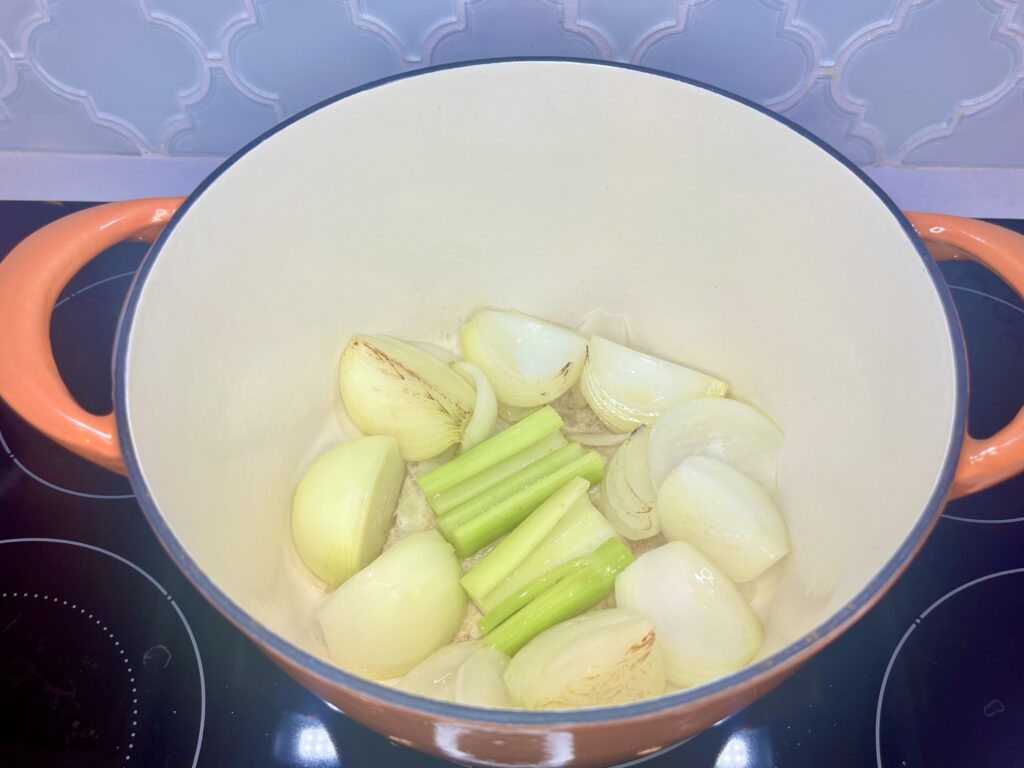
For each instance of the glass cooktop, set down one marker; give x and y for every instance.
(108, 657)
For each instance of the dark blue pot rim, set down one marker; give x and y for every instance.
(839, 622)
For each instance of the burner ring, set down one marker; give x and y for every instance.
(918, 621)
(91, 617)
(110, 635)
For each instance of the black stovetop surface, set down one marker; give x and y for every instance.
(108, 657)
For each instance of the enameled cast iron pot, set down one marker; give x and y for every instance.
(730, 238)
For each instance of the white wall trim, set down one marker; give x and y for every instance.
(982, 192)
(994, 193)
(87, 178)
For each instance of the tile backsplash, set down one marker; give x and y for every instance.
(902, 87)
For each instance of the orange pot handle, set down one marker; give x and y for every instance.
(31, 279)
(983, 463)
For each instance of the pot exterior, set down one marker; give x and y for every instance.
(507, 746)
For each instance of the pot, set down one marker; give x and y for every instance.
(730, 239)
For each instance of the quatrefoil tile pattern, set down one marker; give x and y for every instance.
(916, 83)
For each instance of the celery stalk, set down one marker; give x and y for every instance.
(526, 594)
(468, 536)
(514, 548)
(445, 501)
(511, 485)
(568, 597)
(579, 533)
(537, 425)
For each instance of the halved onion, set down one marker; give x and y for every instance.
(398, 610)
(626, 494)
(485, 411)
(720, 428)
(344, 504)
(390, 387)
(465, 673)
(627, 389)
(705, 628)
(723, 513)
(598, 659)
(529, 362)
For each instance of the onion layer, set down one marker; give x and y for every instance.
(720, 428)
(627, 389)
(597, 439)
(464, 673)
(529, 362)
(480, 680)
(485, 410)
(705, 628)
(626, 494)
(606, 325)
(725, 514)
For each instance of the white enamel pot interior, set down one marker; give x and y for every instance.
(729, 240)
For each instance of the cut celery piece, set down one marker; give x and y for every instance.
(568, 597)
(515, 547)
(512, 485)
(468, 536)
(580, 532)
(496, 449)
(519, 599)
(445, 501)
